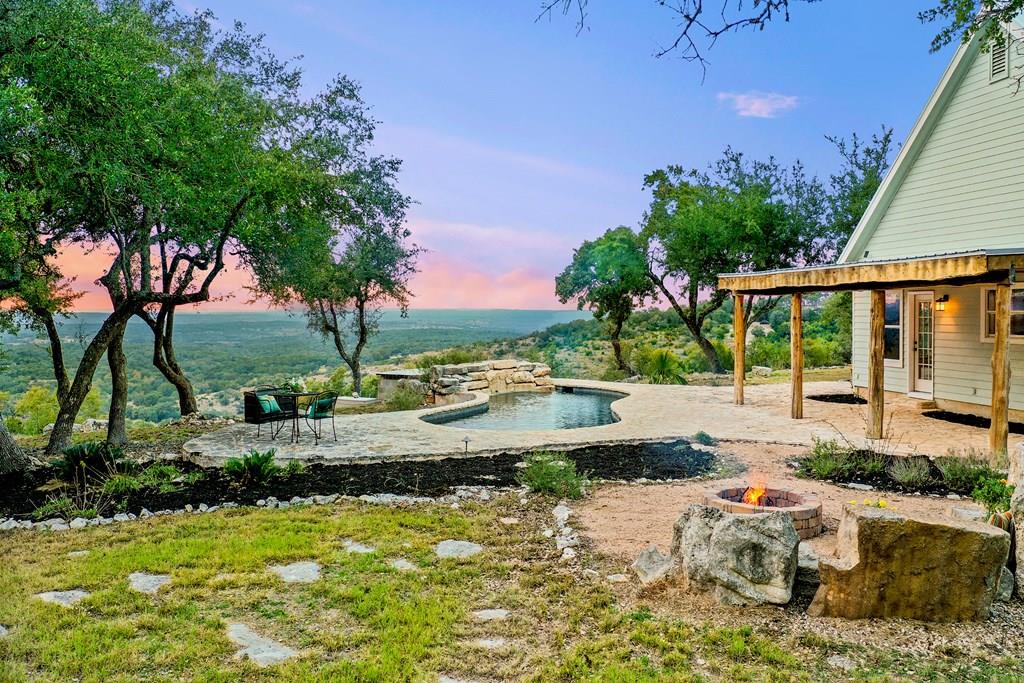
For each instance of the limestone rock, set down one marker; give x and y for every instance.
(1006, 584)
(147, 583)
(969, 514)
(457, 549)
(298, 572)
(357, 547)
(889, 565)
(504, 364)
(544, 382)
(807, 565)
(761, 371)
(63, 598)
(521, 377)
(476, 385)
(1017, 508)
(401, 564)
(490, 614)
(743, 559)
(541, 370)
(651, 566)
(1016, 473)
(262, 651)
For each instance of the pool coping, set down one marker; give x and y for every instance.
(472, 407)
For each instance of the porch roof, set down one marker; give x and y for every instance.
(957, 268)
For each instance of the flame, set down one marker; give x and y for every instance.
(754, 494)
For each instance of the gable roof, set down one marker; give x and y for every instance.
(912, 147)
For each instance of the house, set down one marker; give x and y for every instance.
(937, 262)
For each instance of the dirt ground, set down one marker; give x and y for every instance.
(622, 520)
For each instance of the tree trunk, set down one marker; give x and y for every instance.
(710, 353)
(617, 346)
(693, 319)
(12, 457)
(117, 429)
(357, 377)
(165, 360)
(60, 372)
(60, 437)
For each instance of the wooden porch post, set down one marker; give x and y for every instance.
(999, 430)
(876, 365)
(739, 332)
(796, 355)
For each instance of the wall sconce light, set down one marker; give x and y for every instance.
(940, 303)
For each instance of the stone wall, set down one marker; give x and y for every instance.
(491, 376)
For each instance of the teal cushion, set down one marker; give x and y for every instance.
(321, 409)
(268, 404)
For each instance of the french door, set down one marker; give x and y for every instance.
(922, 341)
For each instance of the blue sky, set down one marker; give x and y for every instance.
(520, 138)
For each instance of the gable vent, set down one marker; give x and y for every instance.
(999, 66)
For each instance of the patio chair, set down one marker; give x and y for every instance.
(319, 409)
(261, 408)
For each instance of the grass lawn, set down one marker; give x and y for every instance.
(366, 621)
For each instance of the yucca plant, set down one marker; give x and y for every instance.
(90, 460)
(253, 468)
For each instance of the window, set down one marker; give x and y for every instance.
(894, 326)
(1016, 313)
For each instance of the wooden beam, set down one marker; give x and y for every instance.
(796, 355)
(876, 365)
(999, 430)
(969, 268)
(739, 332)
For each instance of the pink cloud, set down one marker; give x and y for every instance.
(761, 105)
(447, 282)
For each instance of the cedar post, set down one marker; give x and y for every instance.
(796, 355)
(876, 364)
(739, 332)
(999, 430)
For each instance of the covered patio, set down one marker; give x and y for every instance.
(995, 268)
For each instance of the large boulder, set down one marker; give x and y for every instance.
(742, 559)
(889, 565)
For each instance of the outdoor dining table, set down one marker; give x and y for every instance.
(292, 399)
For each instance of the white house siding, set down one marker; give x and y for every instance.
(962, 361)
(964, 191)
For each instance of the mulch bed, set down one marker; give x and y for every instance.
(20, 494)
(969, 420)
(848, 399)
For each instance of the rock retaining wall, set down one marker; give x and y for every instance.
(491, 376)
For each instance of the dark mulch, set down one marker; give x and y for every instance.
(849, 399)
(20, 494)
(969, 420)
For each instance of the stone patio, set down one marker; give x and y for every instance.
(645, 412)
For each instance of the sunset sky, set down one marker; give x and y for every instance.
(520, 139)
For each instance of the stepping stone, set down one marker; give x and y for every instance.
(358, 548)
(63, 598)
(403, 565)
(618, 578)
(262, 651)
(490, 643)
(3, 631)
(450, 548)
(297, 572)
(490, 614)
(78, 553)
(509, 521)
(148, 583)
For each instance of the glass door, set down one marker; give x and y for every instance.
(923, 365)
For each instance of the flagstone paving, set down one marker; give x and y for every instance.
(403, 565)
(148, 583)
(297, 572)
(358, 548)
(63, 598)
(456, 549)
(490, 643)
(490, 614)
(646, 412)
(3, 631)
(262, 651)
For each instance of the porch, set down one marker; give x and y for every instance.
(995, 269)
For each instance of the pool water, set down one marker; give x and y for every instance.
(535, 411)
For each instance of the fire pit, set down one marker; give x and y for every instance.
(749, 500)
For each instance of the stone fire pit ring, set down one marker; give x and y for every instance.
(805, 510)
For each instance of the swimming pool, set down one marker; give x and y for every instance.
(562, 409)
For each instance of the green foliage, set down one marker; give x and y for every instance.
(35, 409)
(827, 460)
(89, 460)
(370, 385)
(554, 474)
(704, 438)
(255, 468)
(294, 467)
(120, 483)
(912, 472)
(63, 507)
(405, 398)
(963, 473)
(994, 493)
(659, 366)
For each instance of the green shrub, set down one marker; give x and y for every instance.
(911, 472)
(90, 459)
(119, 483)
(704, 438)
(253, 468)
(553, 473)
(659, 366)
(294, 467)
(827, 459)
(870, 463)
(161, 477)
(994, 493)
(405, 398)
(63, 507)
(963, 473)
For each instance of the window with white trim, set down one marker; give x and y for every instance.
(1016, 313)
(893, 326)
